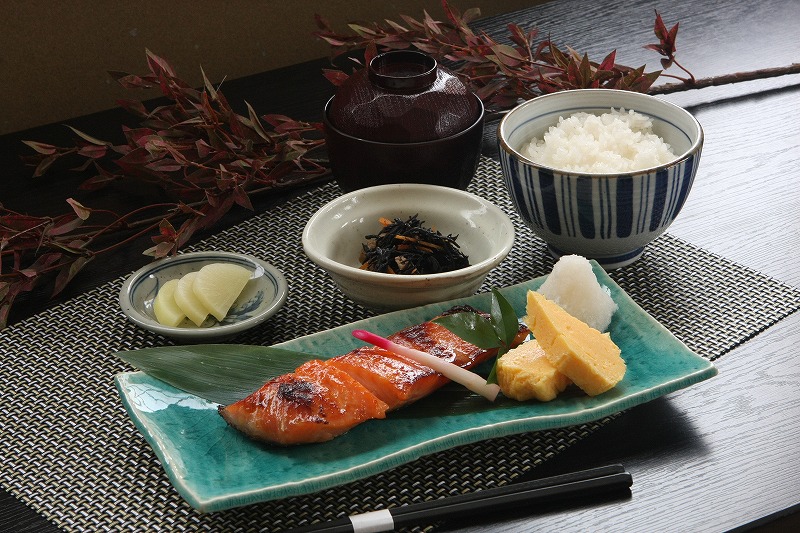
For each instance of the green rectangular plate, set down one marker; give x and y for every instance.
(214, 467)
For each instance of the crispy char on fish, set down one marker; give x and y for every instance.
(315, 403)
(323, 399)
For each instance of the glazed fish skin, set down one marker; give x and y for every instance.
(399, 381)
(437, 340)
(315, 403)
(323, 399)
(394, 379)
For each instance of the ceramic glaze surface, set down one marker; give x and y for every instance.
(214, 467)
(333, 236)
(607, 217)
(261, 298)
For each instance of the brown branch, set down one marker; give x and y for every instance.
(725, 79)
(121, 224)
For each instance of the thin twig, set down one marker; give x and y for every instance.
(726, 79)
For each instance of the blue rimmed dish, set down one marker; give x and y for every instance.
(606, 217)
(261, 298)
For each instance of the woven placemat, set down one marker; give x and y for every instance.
(70, 451)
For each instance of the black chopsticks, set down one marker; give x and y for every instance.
(584, 482)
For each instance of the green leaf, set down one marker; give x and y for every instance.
(498, 331)
(504, 320)
(473, 328)
(506, 326)
(221, 373)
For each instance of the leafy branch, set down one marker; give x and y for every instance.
(209, 159)
(197, 149)
(500, 74)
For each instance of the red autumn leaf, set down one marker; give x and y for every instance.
(63, 226)
(362, 31)
(88, 138)
(507, 55)
(210, 89)
(158, 65)
(256, 123)
(99, 181)
(609, 61)
(132, 81)
(164, 165)
(68, 271)
(189, 210)
(533, 68)
(42, 148)
(660, 29)
(666, 38)
(137, 136)
(397, 27)
(44, 164)
(93, 151)
(83, 166)
(166, 230)
(42, 263)
(370, 52)
(336, 77)
(160, 250)
(241, 198)
(134, 107)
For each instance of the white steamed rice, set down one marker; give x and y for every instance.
(613, 142)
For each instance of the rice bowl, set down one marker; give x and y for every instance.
(608, 217)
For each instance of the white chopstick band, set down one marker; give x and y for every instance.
(372, 522)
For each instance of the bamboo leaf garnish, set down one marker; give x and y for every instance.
(504, 319)
(496, 331)
(221, 373)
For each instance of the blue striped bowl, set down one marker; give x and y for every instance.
(606, 217)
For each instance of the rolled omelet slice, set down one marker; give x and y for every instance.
(587, 357)
(525, 373)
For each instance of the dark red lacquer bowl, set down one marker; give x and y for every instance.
(403, 119)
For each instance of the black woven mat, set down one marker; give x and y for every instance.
(70, 451)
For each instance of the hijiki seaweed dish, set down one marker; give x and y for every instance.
(408, 247)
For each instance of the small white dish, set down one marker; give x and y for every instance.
(261, 298)
(332, 239)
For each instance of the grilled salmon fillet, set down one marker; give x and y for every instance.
(322, 399)
(394, 379)
(315, 403)
(398, 380)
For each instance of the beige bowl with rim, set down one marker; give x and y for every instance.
(333, 236)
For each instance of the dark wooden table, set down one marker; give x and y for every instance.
(721, 455)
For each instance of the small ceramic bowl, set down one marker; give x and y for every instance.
(606, 217)
(333, 236)
(261, 298)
